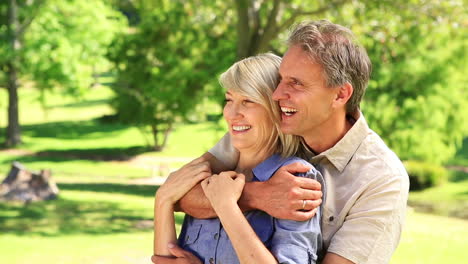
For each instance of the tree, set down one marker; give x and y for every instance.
(416, 99)
(53, 44)
(164, 63)
(180, 47)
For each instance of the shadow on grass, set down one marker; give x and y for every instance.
(96, 154)
(73, 130)
(458, 176)
(130, 189)
(84, 103)
(65, 216)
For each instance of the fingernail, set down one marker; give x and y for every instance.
(170, 245)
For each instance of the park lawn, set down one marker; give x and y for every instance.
(427, 239)
(67, 137)
(448, 199)
(431, 239)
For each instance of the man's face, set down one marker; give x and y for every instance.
(306, 103)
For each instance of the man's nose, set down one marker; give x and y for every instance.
(280, 92)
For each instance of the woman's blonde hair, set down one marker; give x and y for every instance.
(256, 77)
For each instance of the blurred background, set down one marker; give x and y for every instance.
(112, 95)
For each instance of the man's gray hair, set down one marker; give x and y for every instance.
(335, 48)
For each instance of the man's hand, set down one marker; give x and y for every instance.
(180, 257)
(283, 195)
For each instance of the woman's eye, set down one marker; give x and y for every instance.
(246, 102)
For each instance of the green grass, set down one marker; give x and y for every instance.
(88, 223)
(428, 239)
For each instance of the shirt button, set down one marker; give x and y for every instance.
(211, 261)
(331, 218)
(216, 236)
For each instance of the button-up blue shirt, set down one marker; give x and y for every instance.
(289, 241)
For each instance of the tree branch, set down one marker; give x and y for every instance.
(243, 29)
(321, 10)
(29, 20)
(269, 32)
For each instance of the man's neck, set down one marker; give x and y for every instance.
(329, 133)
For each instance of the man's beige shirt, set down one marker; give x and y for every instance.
(367, 190)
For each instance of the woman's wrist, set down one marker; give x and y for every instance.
(223, 205)
(162, 200)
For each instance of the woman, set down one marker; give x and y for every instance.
(253, 237)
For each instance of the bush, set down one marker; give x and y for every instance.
(424, 175)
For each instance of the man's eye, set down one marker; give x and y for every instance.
(227, 100)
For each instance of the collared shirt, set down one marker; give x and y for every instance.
(367, 190)
(289, 241)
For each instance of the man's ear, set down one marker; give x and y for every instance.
(343, 94)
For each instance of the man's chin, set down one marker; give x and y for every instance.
(288, 129)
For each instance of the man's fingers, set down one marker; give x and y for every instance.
(305, 194)
(308, 204)
(296, 167)
(303, 215)
(307, 183)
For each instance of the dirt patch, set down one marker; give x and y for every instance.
(17, 152)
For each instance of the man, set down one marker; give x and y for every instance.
(324, 75)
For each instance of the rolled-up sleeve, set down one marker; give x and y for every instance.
(225, 152)
(297, 242)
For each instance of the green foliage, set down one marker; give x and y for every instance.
(416, 99)
(67, 42)
(163, 65)
(423, 175)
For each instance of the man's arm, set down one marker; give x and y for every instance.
(372, 228)
(195, 202)
(282, 196)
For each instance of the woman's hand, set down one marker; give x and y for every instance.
(224, 189)
(179, 182)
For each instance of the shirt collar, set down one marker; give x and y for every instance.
(268, 167)
(342, 152)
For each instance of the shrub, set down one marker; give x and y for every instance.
(424, 175)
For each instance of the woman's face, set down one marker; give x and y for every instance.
(249, 122)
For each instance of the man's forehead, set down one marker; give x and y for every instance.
(297, 62)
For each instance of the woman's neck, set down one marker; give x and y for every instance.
(249, 160)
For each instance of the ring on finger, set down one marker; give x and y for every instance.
(304, 202)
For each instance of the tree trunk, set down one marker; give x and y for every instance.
(13, 136)
(155, 131)
(166, 135)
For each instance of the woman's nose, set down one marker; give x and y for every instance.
(232, 111)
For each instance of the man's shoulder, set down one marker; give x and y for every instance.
(374, 155)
